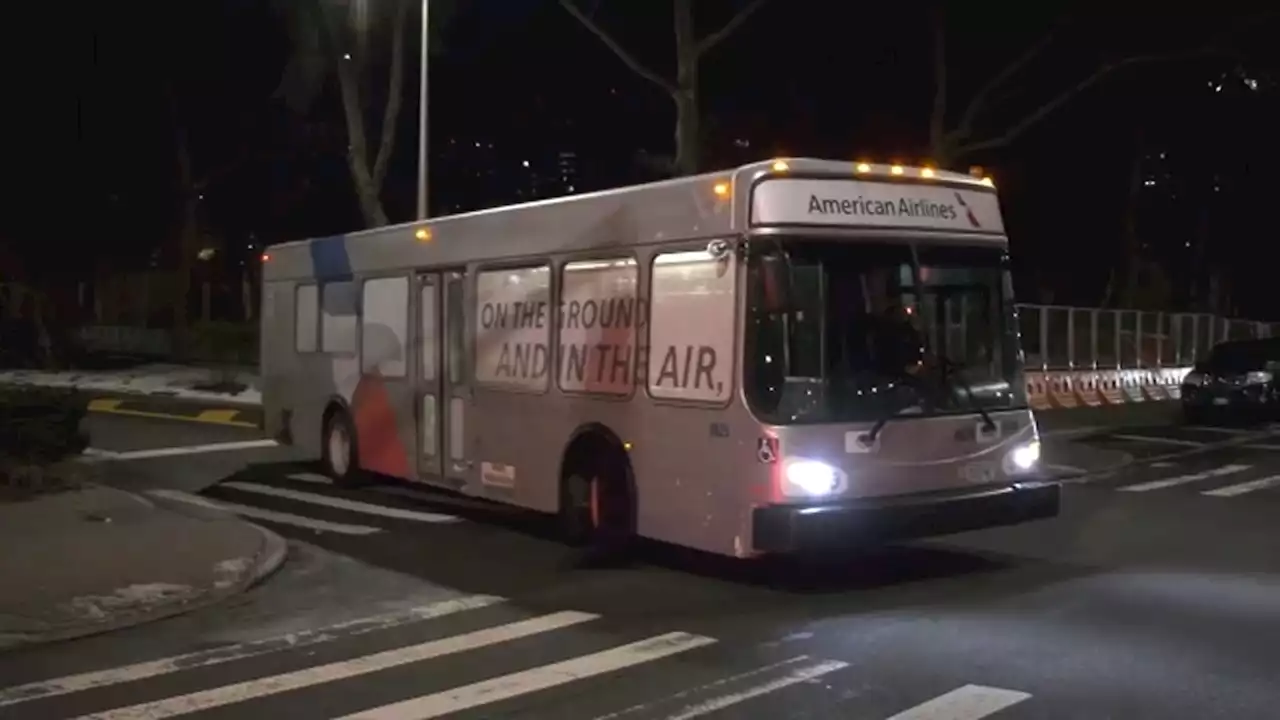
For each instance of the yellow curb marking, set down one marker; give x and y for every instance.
(208, 417)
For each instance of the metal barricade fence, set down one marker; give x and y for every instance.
(1070, 338)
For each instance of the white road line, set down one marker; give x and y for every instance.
(241, 651)
(539, 678)
(1184, 479)
(970, 702)
(315, 478)
(192, 450)
(1216, 429)
(342, 670)
(1163, 464)
(649, 709)
(1065, 468)
(268, 515)
(339, 503)
(794, 677)
(1160, 440)
(1244, 487)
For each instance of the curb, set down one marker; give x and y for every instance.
(228, 416)
(270, 557)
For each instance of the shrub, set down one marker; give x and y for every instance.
(41, 425)
(224, 343)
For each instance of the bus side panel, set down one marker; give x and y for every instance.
(276, 340)
(695, 468)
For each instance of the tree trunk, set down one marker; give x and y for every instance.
(188, 237)
(938, 149)
(1131, 261)
(688, 134)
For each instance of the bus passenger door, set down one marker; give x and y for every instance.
(430, 378)
(456, 386)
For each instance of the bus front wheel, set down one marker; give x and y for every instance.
(339, 450)
(595, 503)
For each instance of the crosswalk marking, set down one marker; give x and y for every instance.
(540, 678)
(970, 702)
(1160, 440)
(1244, 487)
(339, 503)
(804, 674)
(342, 670)
(314, 478)
(241, 651)
(1184, 479)
(268, 515)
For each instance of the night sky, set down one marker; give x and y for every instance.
(802, 77)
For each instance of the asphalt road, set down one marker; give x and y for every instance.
(1156, 595)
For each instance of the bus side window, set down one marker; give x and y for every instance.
(306, 318)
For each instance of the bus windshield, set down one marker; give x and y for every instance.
(841, 331)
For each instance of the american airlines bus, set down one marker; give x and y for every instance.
(788, 356)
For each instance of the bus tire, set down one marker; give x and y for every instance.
(596, 506)
(340, 450)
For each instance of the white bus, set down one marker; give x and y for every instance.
(788, 356)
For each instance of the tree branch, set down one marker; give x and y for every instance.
(1048, 108)
(627, 58)
(735, 22)
(979, 101)
(395, 97)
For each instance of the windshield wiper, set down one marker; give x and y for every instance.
(947, 366)
(921, 393)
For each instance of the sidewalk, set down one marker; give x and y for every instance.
(93, 559)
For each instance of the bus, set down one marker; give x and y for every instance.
(791, 356)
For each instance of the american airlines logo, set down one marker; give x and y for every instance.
(973, 219)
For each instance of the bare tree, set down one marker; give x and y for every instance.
(951, 145)
(683, 90)
(332, 38)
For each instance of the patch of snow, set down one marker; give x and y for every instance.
(228, 572)
(132, 597)
(168, 380)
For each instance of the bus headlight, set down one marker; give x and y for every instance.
(811, 478)
(1024, 457)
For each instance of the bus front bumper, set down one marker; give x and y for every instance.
(874, 521)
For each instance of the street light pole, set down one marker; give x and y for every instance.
(423, 209)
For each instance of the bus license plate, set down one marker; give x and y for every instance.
(978, 473)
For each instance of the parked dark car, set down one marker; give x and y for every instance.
(1236, 381)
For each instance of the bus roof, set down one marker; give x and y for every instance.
(789, 191)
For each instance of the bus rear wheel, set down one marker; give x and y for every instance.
(339, 450)
(596, 506)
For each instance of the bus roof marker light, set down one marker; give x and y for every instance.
(423, 234)
(266, 257)
(721, 189)
(896, 169)
(926, 172)
(780, 166)
(988, 181)
(862, 167)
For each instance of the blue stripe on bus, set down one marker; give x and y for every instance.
(329, 259)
